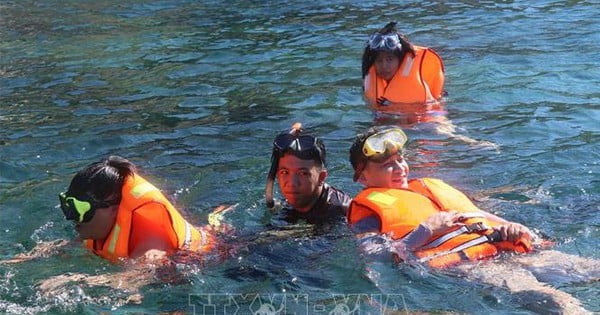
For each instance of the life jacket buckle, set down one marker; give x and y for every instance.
(477, 227)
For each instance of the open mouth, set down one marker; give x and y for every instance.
(398, 179)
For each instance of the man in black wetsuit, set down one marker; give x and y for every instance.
(298, 163)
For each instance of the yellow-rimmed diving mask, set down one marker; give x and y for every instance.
(377, 144)
(384, 143)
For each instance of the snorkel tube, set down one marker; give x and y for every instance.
(295, 130)
(271, 179)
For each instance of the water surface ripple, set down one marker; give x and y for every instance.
(194, 91)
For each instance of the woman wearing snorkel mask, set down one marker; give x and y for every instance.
(119, 214)
(395, 204)
(404, 84)
(398, 76)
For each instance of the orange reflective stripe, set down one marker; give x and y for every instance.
(113, 239)
(409, 60)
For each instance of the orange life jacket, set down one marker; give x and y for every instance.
(400, 211)
(138, 193)
(419, 80)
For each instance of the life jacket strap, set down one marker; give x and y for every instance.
(490, 238)
(476, 227)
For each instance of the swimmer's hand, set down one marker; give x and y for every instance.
(442, 221)
(512, 231)
(217, 216)
(154, 255)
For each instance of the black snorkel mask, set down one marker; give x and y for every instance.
(80, 210)
(305, 147)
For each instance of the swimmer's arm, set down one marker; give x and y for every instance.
(412, 241)
(41, 250)
(370, 241)
(367, 225)
(152, 235)
(402, 247)
(417, 238)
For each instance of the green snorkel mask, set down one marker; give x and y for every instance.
(80, 210)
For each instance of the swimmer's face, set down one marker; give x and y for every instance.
(100, 225)
(386, 64)
(300, 181)
(389, 173)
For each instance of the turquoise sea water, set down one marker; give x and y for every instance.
(193, 92)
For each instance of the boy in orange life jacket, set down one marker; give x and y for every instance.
(298, 163)
(118, 214)
(397, 74)
(432, 219)
(433, 223)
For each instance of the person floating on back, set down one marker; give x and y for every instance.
(437, 222)
(429, 222)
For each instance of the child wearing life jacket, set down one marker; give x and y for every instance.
(429, 218)
(398, 76)
(435, 224)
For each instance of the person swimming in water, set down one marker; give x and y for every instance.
(403, 84)
(124, 219)
(298, 162)
(428, 222)
(398, 75)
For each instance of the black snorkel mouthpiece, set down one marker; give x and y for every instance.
(277, 152)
